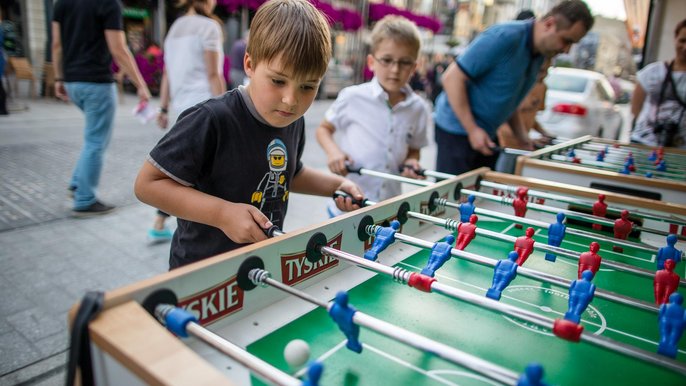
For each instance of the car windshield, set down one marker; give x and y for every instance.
(569, 83)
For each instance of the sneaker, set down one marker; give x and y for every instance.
(70, 191)
(159, 235)
(97, 208)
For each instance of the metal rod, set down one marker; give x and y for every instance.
(452, 225)
(578, 201)
(460, 358)
(256, 365)
(568, 212)
(531, 317)
(533, 274)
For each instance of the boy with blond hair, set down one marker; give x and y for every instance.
(381, 124)
(226, 169)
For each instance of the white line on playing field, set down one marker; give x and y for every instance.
(600, 326)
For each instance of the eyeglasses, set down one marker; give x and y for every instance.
(404, 64)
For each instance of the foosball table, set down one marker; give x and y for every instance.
(633, 169)
(420, 289)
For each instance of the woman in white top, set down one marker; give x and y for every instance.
(659, 100)
(193, 63)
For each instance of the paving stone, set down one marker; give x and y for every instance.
(16, 351)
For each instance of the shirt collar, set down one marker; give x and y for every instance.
(379, 92)
(530, 38)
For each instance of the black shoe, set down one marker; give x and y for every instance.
(71, 190)
(97, 208)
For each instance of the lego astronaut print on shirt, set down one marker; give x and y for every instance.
(272, 190)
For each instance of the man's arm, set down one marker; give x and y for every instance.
(116, 42)
(455, 87)
(336, 157)
(60, 91)
(520, 132)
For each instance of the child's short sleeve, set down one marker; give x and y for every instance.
(212, 39)
(336, 114)
(417, 138)
(184, 153)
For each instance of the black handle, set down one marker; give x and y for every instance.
(351, 169)
(361, 203)
(419, 172)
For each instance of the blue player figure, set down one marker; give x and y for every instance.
(661, 166)
(668, 252)
(467, 209)
(649, 174)
(556, 232)
(314, 373)
(652, 156)
(440, 253)
(625, 170)
(600, 157)
(505, 271)
(581, 293)
(342, 314)
(533, 376)
(383, 237)
(571, 153)
(672, 319)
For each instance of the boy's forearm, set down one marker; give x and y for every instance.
(413, 154)
(325, 139)
(175, 199)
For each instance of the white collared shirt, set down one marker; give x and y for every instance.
(377, 136)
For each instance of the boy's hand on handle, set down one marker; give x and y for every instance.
(412, 169)
(337, 163)
(481, 142)
(244, 223)
(346, 204)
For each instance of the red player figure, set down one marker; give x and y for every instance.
(623, 227)
(519, 203)
(524, 246)
(466, 232)
(590, 260)
(599, 209)
(666, 282)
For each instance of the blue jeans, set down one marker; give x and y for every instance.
(98, 102)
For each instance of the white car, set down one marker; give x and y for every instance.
(579, 102)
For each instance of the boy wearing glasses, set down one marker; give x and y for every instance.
(226, 168)
(379, 125)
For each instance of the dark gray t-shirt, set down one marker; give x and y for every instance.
(222, 147)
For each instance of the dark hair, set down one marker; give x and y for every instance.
(679, 26)
(197, 5)
(525, 14)
(569, 12)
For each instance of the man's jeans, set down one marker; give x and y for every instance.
(98, 102)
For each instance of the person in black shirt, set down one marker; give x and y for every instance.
(226, 169)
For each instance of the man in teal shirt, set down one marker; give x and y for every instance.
(484, 86)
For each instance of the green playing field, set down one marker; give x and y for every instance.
(503, 340)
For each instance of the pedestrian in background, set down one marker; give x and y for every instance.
(382, 123)
(236, 55)
(86, 36)
(483, 87)
(193, 72)
(659, 100)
